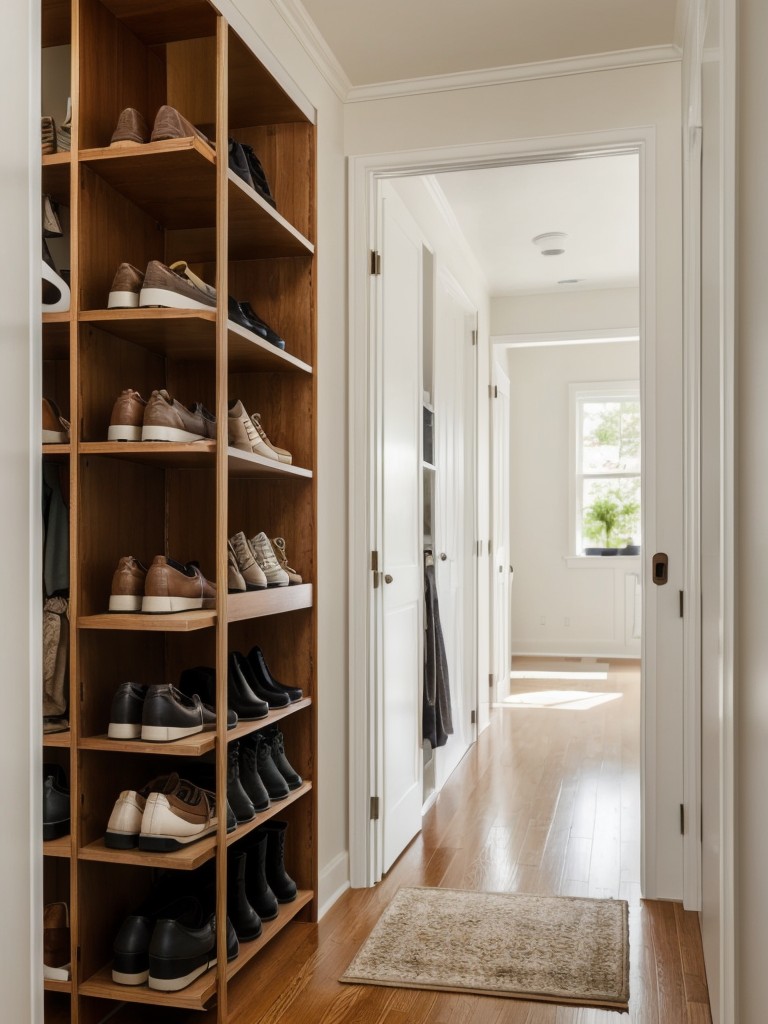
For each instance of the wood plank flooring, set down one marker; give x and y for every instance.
(548, 801)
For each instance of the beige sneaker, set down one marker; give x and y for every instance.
(127, 417)
(243, 434)
(248, 566)
(278, 546)
(175, 287)
(166, 419)
(173, 587)
(55, 427)
(126, 288)
(176, 817)
(128, 585)
(235, 581)
(124, 823)
(281, 453)
(265, 556)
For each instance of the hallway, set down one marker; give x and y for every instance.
(546, 801)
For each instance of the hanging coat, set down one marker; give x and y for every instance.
(437, 719)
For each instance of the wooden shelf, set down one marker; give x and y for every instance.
(57, 739)
(186, 859)
(244, 464)
(274, 810)
(56, 27)
(56, 176)
(57, 318)
(61, 847)
(286, 913)
(247, 351)
(181, 334)
(190, 746)
(176, 622)
(274, 601)
(174, 181)
(169, 455)
(243, 729)
(56, 449)
(257, 230)
(50, 985)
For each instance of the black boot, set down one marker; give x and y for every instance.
(238, 799)
(279, 880)
(277, 744)
(249, 775)
(275, 698)
(260, 896)
(266, 680)
(246, 921)
(268, 771)
(242, 698)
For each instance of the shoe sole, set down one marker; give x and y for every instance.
(167, 733)
(151, 433)
(56, 973)
(123, 300)
(175, 984)
(56, 829)
(125, 603)
(165, 843)
(123, 432)
(121, 840)
(287, 582)
(165, 298)
(129, 979)
(123, 731)
(54, 437)
(166, 605)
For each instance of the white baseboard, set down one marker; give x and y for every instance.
(547, 649)
(333, 882)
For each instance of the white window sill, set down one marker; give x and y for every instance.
(615, 562)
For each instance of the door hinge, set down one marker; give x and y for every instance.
(375, 569)
(479, 548)
(374, 808)
(493, 391)
(682, 819)
(473, 718)
(682, 603)
(375, 262)
(474, 337)
(490, 679)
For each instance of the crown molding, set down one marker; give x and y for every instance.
(612, 61)
(297, 18)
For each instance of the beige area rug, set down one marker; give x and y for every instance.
(559, 949)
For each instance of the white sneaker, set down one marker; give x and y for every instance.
(265, 556)
(250, 570)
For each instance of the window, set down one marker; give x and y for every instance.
(606, 479)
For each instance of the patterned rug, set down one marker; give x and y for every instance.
(559, 949)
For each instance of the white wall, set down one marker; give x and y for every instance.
(593, 309)
(560, 605)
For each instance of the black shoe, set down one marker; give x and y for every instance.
(239, 800)
(55, 802)
(275, 738)
(169, 714)
(280, 882)
(249, 776)
(127, 709)
(269, 774)
(266, 680)
(261, 327)
(180, 952)
(249, 704)
(231, 819)
(245, 920)
(202, 680)
(260, 183)
(238, 162)
(275, 698)
(130, 964)
(260, 896)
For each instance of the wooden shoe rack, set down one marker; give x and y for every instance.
(169, 201)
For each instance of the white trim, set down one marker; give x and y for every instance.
(363, 173)
(444, 208)
(615, 562)
(596, 337)
(298, 19)
(334, 879)
(612, 61)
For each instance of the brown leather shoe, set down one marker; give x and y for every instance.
(173, 587)
(126, 287)
(131, 130)
(170, 124)
(175, 287)
(127, 417)
(55, 427)
(166, 419)
(128, 585)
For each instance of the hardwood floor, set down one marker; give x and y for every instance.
(547, 801)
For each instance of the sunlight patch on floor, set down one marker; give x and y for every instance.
(558, 700)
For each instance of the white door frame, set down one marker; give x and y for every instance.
(364, 173)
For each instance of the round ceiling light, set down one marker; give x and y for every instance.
(551, 243)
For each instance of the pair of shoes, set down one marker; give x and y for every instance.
(48, 135)
(246, 433)
(162, 418)
(251, 688)
(133, 130)
(253, 564)
(168, 943)
(167, 586)
(258, 771)
(159, 714)
(55, 802)
(244, 314)
(246, 165)
(173, 287)
(257, 880)
(57, 958)
(167, 814)
(55, 427)
(64, 131)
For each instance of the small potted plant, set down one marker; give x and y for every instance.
(608, 521)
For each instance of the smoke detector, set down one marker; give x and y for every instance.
(551, 243)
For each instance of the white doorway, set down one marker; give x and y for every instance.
(502, 571)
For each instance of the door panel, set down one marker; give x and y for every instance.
(501, 575)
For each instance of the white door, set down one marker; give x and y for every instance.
(401, 585)
(501, 572)
(454, 382)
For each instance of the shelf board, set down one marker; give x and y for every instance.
(183, 334)
(56, 449)
(56, 318)
(274, 810)
(166, 454)
(176, 622)
(173, 181)
(245, 464)
(186, 859)
(243, 729)
(247, 351)
(56, 176)
(286, 913)
(50, 985)
(274, 601)
(57, 739)
(56, 18)
(256, 229)
(61, 847)
(165, 22)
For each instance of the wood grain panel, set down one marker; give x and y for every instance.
(161, 21)
(254, 96)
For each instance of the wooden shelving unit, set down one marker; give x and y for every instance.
(168, 201)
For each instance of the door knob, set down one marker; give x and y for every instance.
(443, 556)
(388, 578)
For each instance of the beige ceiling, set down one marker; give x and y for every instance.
(386, 41)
